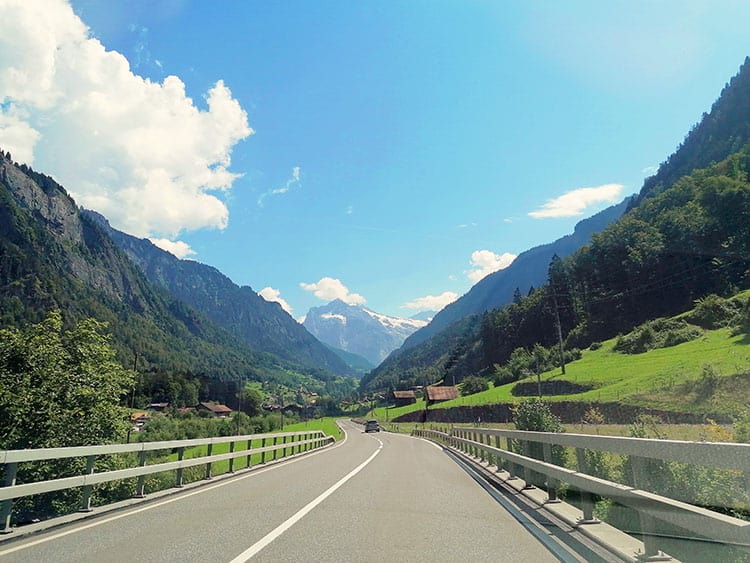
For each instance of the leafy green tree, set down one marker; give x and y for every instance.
(473, 384)
(60, 387)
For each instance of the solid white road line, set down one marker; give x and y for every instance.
(275, 533)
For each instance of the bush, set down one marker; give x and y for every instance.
(536, 415)
(659, 333)
(473, 384)
(712, 312)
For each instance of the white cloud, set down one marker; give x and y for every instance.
(274, 295)
(292, 182)
(574, 202)
(177, 247)
(650, 170)
(486, 262)
(329, 289)
(140, 152)
(333, 316)
(431, 302)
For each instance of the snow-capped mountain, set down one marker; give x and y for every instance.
(359, 330)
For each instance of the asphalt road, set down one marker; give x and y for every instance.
(374, 497)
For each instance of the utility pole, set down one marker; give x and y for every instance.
(559, 330)
(281, 409)
(239, 404)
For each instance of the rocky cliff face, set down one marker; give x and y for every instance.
(359, 330)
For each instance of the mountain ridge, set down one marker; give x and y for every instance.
(359, 330)
(260, 324)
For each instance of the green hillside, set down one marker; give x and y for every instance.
(710, 374)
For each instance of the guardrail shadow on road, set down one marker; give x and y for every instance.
(536, 461)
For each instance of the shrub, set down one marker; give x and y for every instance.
(712, 312)
(659, 333)
(473, 384)
(535, 415)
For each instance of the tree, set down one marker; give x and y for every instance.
(473, 384)
(60, 387)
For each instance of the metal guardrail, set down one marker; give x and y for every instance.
(486, 444)
(270, 443)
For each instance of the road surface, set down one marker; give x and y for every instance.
(373, 497)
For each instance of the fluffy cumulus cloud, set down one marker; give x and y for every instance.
(178, 248)
(274, 295)
(574, 202)
(329, 289)
(431, 302)
(484, 262)
(140, 152)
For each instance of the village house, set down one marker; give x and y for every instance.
(403, 398)
(217, 410)
(435, 394)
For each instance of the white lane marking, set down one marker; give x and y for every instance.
(198, 491)
(283, 527)
(431, 443)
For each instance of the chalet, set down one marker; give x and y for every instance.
(157, 407)
(435, 394)
(137, 420)
(403, 398)
(217, 410)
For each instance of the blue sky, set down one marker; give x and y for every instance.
(379, 151)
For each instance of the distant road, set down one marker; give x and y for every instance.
(375, 497)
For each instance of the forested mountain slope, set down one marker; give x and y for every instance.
(53, 257)
(687, 242)
(528, 270)
(262, 325)
(721, 132)
(685, 261)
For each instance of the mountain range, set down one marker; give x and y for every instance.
(260, 324)
(357, 329)
(54, 256)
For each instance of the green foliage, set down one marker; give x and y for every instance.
(535, 414)
(741, 427)
(659, 333)
(60, 387)
(473, 384)
(712, 312)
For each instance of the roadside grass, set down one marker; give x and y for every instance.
(666, 378)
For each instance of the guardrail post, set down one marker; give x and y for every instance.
(275, 438)
(528, 474)
(141, 484)
(551, 481)
(512, 466)
(87, 489)
(587, 501)
(498, 458)
(209, 451)
(178, 478)
(650, 547)
(249, 462)
(263, 453)
(11, 469)
(231, 459)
